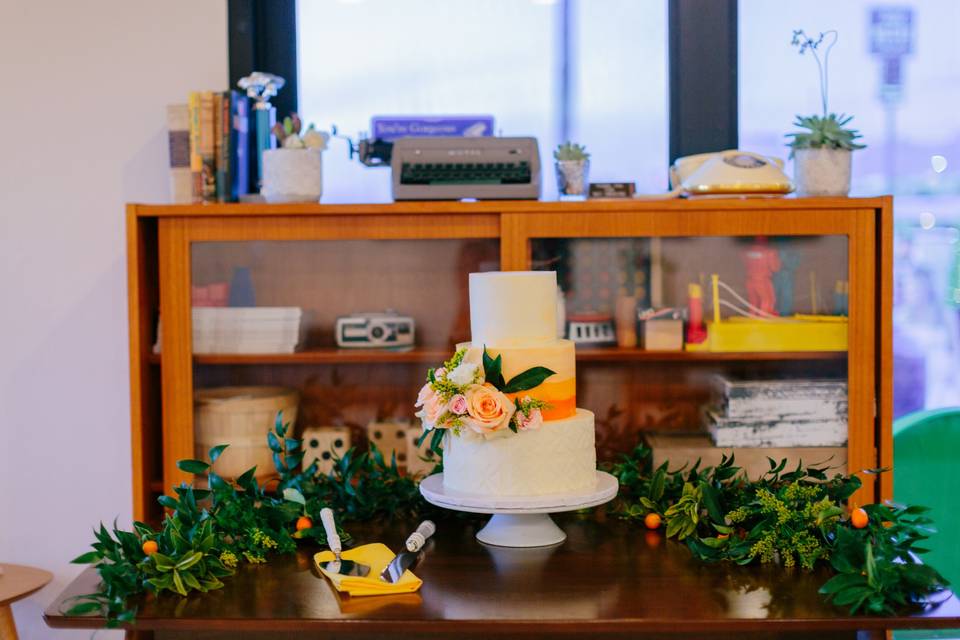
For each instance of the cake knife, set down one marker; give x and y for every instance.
(343, 567)
(407, 559)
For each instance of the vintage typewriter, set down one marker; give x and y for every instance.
(457, 168)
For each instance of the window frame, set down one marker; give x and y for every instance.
(702, 58)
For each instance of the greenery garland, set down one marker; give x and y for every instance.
(791, 517)
(208, 532)
(795, 517)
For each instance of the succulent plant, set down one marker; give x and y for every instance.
(569, 151)
(288, 133)
(827, 130)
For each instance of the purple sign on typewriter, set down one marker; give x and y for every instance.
(391, 128)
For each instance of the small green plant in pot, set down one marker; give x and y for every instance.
(822, 151)
(573, 169)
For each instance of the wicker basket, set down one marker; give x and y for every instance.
(241, 418)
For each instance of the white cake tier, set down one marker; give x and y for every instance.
(512, 308)
(560, 457)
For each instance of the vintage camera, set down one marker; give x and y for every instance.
(366, 330)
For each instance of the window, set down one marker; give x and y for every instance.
(362, 58)
(903, 107)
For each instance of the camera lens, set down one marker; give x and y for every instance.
(376, 332)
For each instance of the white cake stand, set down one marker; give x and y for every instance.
(520, 521)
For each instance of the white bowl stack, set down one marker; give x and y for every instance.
(246, 329)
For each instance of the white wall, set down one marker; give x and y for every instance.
(82, 118)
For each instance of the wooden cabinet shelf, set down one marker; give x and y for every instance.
(616, 354)
(430, 355)
(415, 257)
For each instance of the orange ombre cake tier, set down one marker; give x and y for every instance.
(559, 391)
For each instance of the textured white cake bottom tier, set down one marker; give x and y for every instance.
(560, 457)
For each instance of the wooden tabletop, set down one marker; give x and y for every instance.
(608, 577)
(18, 581)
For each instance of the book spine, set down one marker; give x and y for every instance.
(225, 155)
(178, 138)
(196, 160)
(207, 149)
(221, 105)
(239, 144)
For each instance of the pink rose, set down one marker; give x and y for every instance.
(530, 422)
(458, 404)
(488, 410)
(440, 373)
(433, 407)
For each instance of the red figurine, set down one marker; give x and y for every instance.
(762, 261)
(696, 330)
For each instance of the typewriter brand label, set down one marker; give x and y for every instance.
(391, 128)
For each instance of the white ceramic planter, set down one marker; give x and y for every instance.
(822, 172)
(573, 177)
(292, 175)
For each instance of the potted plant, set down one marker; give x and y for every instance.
(292, 173)
(822, 151)
(573, 169)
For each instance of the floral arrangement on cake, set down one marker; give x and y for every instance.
(469, 396)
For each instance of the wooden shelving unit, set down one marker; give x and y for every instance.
(436, 356)
(327, 263)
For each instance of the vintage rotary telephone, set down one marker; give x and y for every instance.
(731, 172)
(725, 173)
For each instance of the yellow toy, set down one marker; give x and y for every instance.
(755, 330)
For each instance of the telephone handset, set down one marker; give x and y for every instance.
(731, 172)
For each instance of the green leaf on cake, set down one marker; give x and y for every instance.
(436, 440)
(493, 370)
(529, 379)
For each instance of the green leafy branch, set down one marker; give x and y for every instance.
(208, 532)
(788, 517)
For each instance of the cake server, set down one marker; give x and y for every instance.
(343, 567)
(409, 558)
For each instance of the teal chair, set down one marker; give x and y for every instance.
(926, 470)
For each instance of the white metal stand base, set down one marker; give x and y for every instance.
(520, 521)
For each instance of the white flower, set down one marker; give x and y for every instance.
(463, 374)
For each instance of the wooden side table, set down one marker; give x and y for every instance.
(17, 582)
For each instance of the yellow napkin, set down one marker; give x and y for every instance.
(376, 556)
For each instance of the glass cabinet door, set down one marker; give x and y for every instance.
(707, 346)
(337, 334)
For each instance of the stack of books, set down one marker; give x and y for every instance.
(778, 413)
(208, 147)
(246, 329)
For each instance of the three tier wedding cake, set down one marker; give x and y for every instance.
(504, 406)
